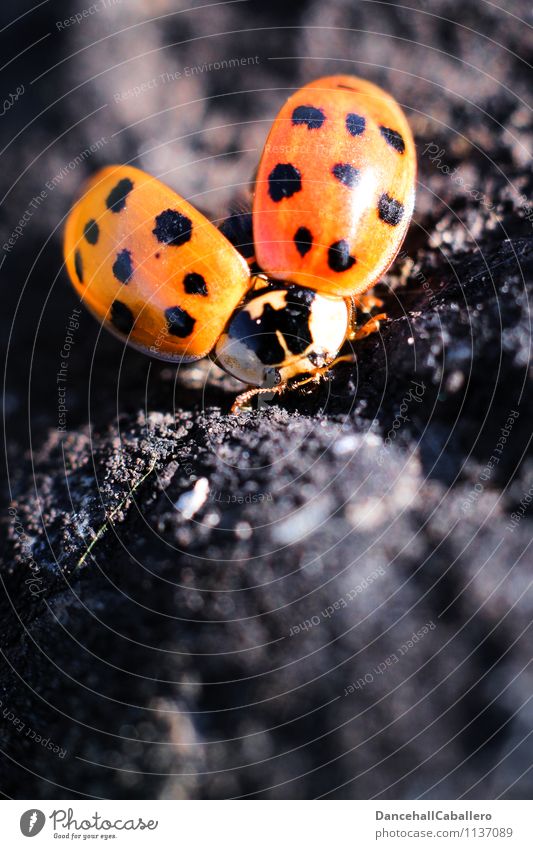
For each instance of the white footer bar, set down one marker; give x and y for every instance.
(264, 824)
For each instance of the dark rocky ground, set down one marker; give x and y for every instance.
(166, 661)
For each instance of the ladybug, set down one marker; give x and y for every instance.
(333, 197)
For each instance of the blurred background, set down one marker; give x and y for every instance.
(168, 664)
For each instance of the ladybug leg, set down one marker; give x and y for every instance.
(317, 374)
(366, 303)
(243, 399)
(371, 326)
(320, 372)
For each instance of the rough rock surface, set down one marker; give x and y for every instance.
(198, 605)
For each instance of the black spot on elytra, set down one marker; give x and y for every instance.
(194, 284)
(346, 174)
(78, 265)
(303, 239)
(393, 138)
(339, 257)
(123, 267)
(390, 210)
(238, 230)
(122, 317)
(179, 322)
(260, 335)
(284, 181)
(116, 199)
(311, 116)
(346, 87)
(91, 231)
(172, 228)
(355, 124)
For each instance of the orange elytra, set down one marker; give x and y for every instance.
(333, 198)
